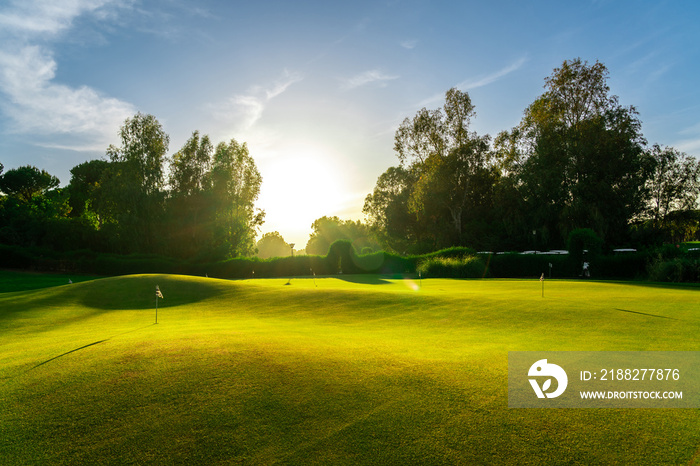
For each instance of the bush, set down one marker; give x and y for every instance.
(627, 266)
(676, 270)
(453, 267)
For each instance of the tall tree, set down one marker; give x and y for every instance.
(235, 188)
(190, 210)
(674, 183)
(190, 166)
(584, 160)
(133, 183)
(453, 171)
(144, 145)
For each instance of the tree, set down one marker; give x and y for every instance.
(235, 188)
(674, 183)
(328, 230)
(273, 245)
(27, 182)
(459, 183)
(435, 132)
(190, 166)
(143, 149)
(388, 214)
(584, 160)
(450, 172)
(190, 210)
(132, 185)
(84, 188)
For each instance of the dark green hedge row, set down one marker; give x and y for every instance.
(342, 258)
(514, 265)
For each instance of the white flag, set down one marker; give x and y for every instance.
(158, 293)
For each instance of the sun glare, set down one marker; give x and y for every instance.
(300, 184)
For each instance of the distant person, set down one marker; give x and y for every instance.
(586, 270)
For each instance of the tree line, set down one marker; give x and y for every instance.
(577, 160)
(203, 209)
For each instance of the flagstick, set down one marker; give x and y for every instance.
(542, 280)
(158, 295)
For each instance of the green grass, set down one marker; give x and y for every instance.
(363, 370)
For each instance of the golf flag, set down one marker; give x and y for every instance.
(158, 293)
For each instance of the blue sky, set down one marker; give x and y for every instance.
(318, 88)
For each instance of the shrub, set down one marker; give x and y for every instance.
(453, 267)
(675, 270)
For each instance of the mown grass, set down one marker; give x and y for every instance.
(354, 371)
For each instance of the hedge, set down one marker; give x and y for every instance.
(666, 264)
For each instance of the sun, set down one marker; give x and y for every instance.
(301, 183)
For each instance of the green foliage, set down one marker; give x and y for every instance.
(27, 182)
(514, 265)
(144, 145)
(446, 186)
(453, 252)
(625, 266)
(583, 239)
(327, 230)
(273, 245)
(453, 267)
(84, 189)
(235, 188)
(577, 160)
(673, 184)
(585, 166)
(680, 269)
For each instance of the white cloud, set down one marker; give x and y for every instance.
(31, 97)
(408, 44)
(46, 16)
(37, 104)
(370, 76)
(480, 81)
(242, 111)
(288, 78)
(488, 79)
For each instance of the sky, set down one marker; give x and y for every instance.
(317, 89)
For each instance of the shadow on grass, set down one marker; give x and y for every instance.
(87, 346)
(363, 279)
(646, 314)
(139, 292)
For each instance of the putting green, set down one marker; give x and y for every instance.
(352, 370)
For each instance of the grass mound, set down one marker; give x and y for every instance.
(341, 371)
